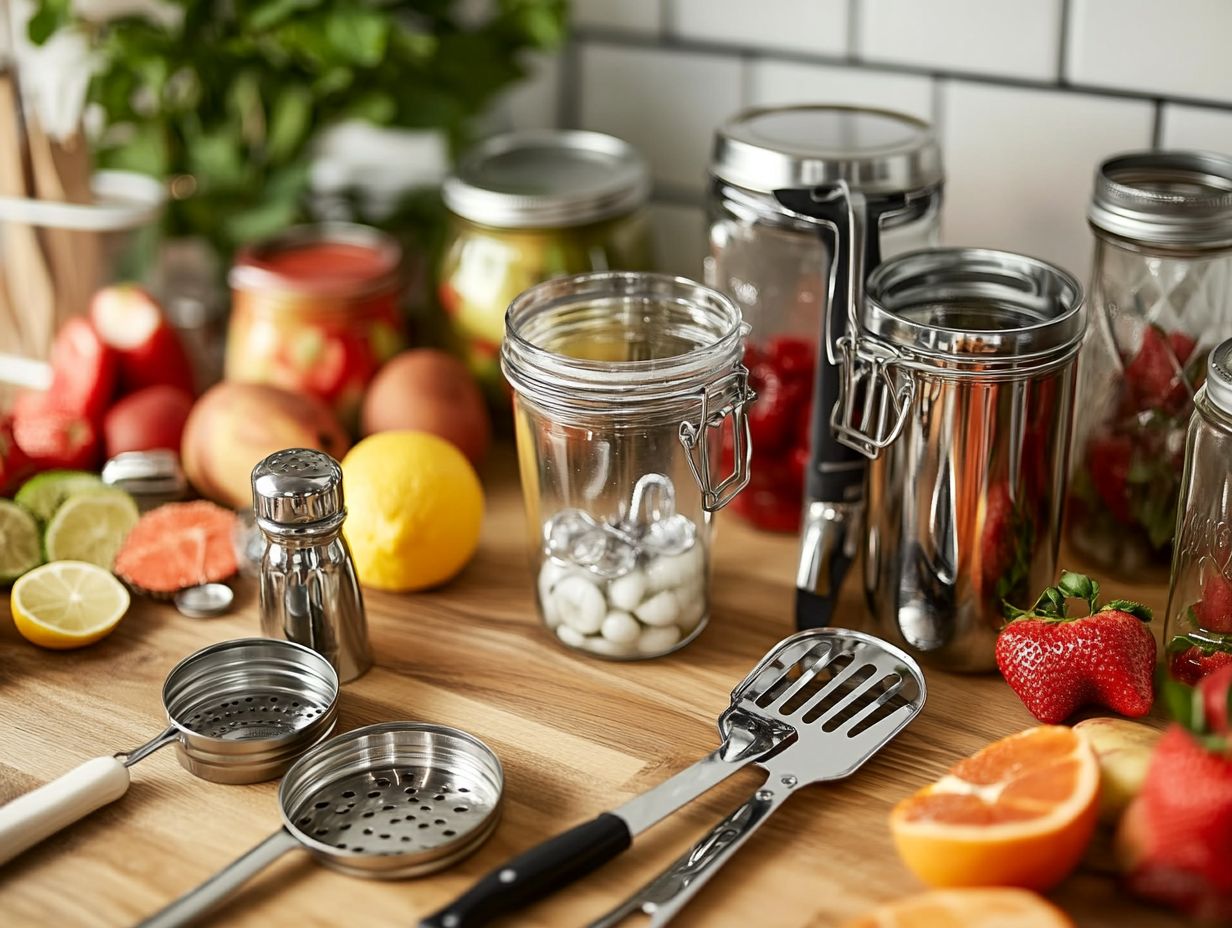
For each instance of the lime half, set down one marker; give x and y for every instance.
(43, 493)
(19, 541)
(67, 604)
(90, 527)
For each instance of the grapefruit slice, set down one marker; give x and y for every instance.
(177, 546)
(1020, 812)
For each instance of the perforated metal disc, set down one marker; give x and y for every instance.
(393, 800)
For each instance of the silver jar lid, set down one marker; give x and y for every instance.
(545, 178)
(1166, 199)
(1219, 376)
(993, 308)
(298, 488)
(876, 151)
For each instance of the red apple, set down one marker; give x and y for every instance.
(130, 320)
(53, 438)
(151, 418)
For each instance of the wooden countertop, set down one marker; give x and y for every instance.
(575, 735)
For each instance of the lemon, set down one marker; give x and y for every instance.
(91, 526)
(19, 541)
(67, 604)
(414, 509)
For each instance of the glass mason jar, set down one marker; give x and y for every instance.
(622, 386)
(1199, 619)
(1161, 298)
(315, 310)
(525, 207)
(773, 239)
(959, 385)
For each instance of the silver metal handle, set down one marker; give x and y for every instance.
(669, 892)
(872, 405)
(694, 436)
(191, 906)
(745, 742)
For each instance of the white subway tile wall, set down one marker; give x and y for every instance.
(1027, 96)
(1009, 38)
(1020, 163)
(811, 26)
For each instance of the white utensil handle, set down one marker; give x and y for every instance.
(29, 819)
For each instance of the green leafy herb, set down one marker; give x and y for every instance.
(230, 99)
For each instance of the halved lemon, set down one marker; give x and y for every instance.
(1020, 812)
(966, 908)
(67, 604)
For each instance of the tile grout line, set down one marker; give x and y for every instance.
(1063, 42)
(691, 46)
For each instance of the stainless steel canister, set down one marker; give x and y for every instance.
(959, 385)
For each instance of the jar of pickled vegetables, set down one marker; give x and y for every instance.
(1160, 299)
(525, 207)
(315, 310)
(622, 386)
(1199, 619)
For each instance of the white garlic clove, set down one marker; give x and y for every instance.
(570, 636)
(670, 571)
(661, 609)
(626, 592)
(657, 640)
(620, 628)
(580, 604)
(609, 648)
(692, 607)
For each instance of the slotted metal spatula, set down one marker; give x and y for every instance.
(847, 695)
(752, 728)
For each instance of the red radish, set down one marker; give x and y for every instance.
(83, 375)
(150, 418)
(130, 320)
(53, 438)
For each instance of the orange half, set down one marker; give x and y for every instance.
(1020, 812)
(966, 908)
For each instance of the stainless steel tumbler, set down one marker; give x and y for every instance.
(959, 385)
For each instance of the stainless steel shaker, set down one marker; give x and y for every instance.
(959, 385)
(309, 592)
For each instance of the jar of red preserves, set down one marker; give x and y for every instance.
(315, 310)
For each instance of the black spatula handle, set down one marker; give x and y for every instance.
(536, 873)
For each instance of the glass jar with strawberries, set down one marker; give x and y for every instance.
(1160, 298)
(1199, 623)
(773, 240)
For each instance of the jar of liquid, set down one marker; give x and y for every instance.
(623, 384)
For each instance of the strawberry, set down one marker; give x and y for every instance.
(1214, 610)
(1175, 840)
(1057, 663)
(1156, 374)
(1108, 458)
(1189, 660)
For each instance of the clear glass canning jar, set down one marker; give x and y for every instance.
(774, 237)
(1199, 618)
(623, 384)
(1160, 298)
(525, 207)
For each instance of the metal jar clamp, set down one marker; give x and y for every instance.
(693, 436)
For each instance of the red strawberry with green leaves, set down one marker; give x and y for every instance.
(1057, 663)
(1214, 610)
(1191, 659)
(1175, 840)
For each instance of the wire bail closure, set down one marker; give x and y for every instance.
(693, 435)
(872, 405)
